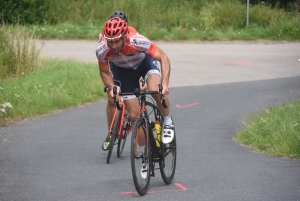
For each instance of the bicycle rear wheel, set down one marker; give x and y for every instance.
(167, 164)
(121, 142)
(115, 132)
(140, 156)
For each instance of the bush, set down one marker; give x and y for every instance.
(23, 11)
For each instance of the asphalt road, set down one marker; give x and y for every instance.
(213, 87)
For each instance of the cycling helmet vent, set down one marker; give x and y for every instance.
(115, 28)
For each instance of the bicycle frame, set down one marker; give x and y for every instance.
(156, 154)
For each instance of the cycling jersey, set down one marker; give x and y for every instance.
(133, 53)
(134, 61)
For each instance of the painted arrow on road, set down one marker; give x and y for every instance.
(188, 105)
(181, 188)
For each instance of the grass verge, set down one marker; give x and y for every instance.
(172, 20)
(280, 30)
(58, 85)
(274, 132)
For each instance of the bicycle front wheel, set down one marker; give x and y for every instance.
(122, 140)
(167, 164)
(115, 132)
(140, 156)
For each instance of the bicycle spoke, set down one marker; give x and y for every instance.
(115, 132)
(140, 157)
(121, 141)
(168, 164)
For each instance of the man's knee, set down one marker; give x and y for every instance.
(134, 115)
(153, 81)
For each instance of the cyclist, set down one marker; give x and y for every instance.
(133, 55)
(110, 108)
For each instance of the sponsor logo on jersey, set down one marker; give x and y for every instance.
(101, 48)
(140, 42)
(155, 64)
(101, 51)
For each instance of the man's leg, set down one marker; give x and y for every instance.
(110, 108)
(168, 129)
(153, 81)
(133, 107)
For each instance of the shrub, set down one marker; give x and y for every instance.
(23, 11)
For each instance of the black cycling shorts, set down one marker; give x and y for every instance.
(129, 78)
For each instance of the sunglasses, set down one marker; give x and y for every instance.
(115, 39)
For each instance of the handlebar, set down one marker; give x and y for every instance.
(137, 92)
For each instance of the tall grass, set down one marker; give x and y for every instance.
(167, 14)
(19, 54)
(171, 20)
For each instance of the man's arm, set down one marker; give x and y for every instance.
(163, 58)
(106, 76)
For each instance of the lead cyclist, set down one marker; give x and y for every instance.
(110, 108)
(133, 55)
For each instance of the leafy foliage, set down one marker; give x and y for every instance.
(23, 11)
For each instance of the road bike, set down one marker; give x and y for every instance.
(146, 149)
(120, 126)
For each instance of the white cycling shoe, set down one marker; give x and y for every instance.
(168, 134)
(144, 171)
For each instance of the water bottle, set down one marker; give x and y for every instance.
(158, 133)
(153, 129)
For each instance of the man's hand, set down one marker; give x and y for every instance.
(165, 91)
(111, 93)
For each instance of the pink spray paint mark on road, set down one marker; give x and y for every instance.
(243, 63)
(181, 188)
(185, 106)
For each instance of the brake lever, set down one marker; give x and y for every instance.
(105, 89)
(143, 82)
(116, 102)
(163, 102)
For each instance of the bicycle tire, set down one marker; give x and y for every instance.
(122, 141)
(167, 162)
(140, 156)
(115, 132)
(167, 165)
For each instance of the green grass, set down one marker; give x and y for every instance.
(58, 85)
(287, 30)
(66, 31)
(171, 20)
(275, 131)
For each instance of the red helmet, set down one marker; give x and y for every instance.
(114, 29)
